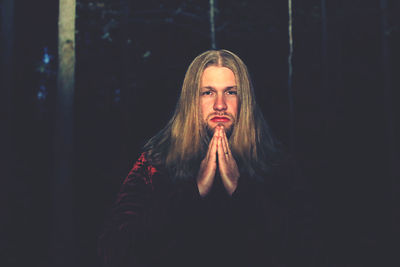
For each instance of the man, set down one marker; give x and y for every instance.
(208, 189)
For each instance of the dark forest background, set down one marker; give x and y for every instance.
(131, 57)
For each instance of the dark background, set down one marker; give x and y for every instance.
(131, 60)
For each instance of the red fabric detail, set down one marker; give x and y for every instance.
(142, 169)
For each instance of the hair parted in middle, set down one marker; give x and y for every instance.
(183, 142)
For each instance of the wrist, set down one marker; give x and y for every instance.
(203, 189)
(230, 186)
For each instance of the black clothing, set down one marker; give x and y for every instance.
(156, 222)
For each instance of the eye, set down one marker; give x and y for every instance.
(206, 93)
(231, 92)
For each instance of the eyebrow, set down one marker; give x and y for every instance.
(226, 88)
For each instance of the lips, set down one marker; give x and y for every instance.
(220, 119)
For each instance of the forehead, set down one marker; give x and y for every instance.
(218, 75)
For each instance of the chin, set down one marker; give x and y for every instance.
(211, 128)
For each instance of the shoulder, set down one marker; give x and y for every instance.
(142, 170)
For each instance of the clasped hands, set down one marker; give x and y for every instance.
(218, 153)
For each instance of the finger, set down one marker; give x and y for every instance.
(213, 151)
(214, 138)
(210, 145)
(218, 131)
(225, 144)
(220, 151)
(213, 148)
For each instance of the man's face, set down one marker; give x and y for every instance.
(218, 98)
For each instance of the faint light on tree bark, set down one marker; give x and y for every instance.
(63, 136)
(66, 51)
(212, 24)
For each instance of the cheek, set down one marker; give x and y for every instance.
(234, 106)
(204, 108)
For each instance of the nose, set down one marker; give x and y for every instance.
(220, 103)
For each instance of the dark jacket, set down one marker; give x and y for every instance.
(157, 222)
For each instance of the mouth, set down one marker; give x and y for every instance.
(220, 119)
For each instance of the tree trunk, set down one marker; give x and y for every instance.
(387, 76)
(63, 137)
(212, 24)
(127, 97)
(325, 79)
(389, 116)
(290, 77)
(7, 44)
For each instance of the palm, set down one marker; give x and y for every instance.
(228, 169)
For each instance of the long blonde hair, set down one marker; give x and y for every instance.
(183, 142)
